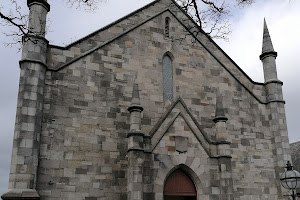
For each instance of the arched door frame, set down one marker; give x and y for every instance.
(193, 176)
(179, 184)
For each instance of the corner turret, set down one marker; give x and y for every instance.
(37, 16)
(275, 105)
(135, 148)
(223, 148)
(28, 125)
(135, 110)
(268, 56)
(220, 120)
(34, 43)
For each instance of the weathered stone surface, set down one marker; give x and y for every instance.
(74, 131)
(295, 153)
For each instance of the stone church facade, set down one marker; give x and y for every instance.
(295, 149)
(145, 109)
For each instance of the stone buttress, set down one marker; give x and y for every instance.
(25, 154)
(224, 155)
(275, 105)
(135, 148)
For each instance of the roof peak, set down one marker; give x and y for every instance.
(267, 45)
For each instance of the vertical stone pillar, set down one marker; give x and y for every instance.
(275, 105)
(135, 149)
(224, 155)
(25, 153)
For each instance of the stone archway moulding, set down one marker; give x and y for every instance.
(179, 108)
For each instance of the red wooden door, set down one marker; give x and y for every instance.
(179, 186)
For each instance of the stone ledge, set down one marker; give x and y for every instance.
(269, 53)
(276, 101)
(135, 149)
(137, 108)
(32, 61)
(273, 81)
(220, 119)
(222, 156)
(21, 194)
(139, 133)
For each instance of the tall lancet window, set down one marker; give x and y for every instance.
(168, 78)
(167, 26)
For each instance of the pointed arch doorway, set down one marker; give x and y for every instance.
(179, 186)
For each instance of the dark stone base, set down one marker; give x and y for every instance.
(19, 194)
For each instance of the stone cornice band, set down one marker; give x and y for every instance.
(135, 149)
(135, 134)
(41, 2)
(138, 108)
(32, 61)
(220, 119)
(269, 53)
(273, 81)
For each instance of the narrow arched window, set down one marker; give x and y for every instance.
(167, 27)
(168, 78)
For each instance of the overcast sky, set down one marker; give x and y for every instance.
(70, 24)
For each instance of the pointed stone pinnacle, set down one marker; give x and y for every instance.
(219, 107)
(135, 102)
(220, 112)
(135, 94)
(267, 42)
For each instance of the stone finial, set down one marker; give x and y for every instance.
(135, 94)
(219, 106)
(267, 42)
(135, 102)
(220, 113)
(267, 46)
(135, 110)
(221, 130)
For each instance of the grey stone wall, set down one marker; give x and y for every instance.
(60, 56)
(26, 143)
(295, 154)
(84, 146)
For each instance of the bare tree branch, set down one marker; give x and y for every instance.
(88, 5)
(17, 21)
(210, 15)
